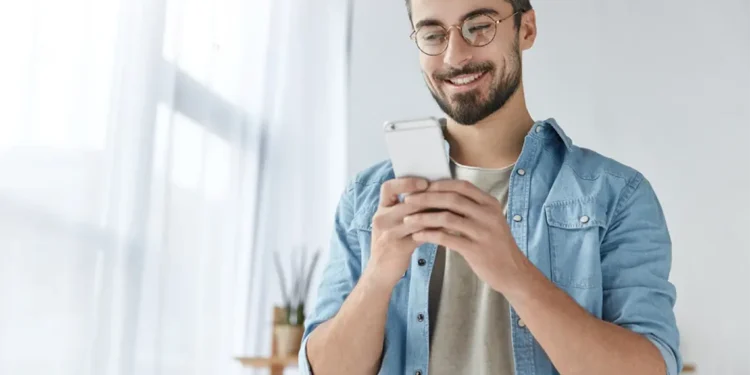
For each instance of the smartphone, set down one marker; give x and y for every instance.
(417, 149)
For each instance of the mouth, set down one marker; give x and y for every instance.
(465, 82)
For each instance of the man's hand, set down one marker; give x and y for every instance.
(473, 224)
(392, 241)
(351, 341)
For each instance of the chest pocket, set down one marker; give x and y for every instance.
(575, 231)
(362, 226)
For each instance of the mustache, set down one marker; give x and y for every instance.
(468, 69)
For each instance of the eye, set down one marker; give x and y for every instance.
(479, 27)
(434, 37)
(431, 35)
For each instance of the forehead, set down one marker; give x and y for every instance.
(451, 12)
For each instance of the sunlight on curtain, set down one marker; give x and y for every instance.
(133, 139)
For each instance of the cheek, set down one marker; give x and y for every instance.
(498, 52)
(430, 65)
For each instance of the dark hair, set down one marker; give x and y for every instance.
(518, 5)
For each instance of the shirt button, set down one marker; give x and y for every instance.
(420, 317)
(521, 172)
(584, 219)
(539, 129)
(521, 323)
(418, 372)
(517, 218)
(421, 262)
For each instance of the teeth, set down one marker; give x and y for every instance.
(465, 80)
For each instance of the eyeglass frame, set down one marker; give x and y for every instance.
(460, 27)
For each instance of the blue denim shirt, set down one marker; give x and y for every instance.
(593, 226)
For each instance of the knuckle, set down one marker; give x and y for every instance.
(415, 219)
(415, 200)
(378, 221)
(414, 184)
(454, 199)
(447, 218)
(386, 186)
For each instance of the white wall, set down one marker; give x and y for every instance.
(663, 86)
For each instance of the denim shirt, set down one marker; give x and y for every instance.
(593, 226)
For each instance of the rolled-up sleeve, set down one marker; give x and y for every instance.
(341, 273)
(636, 262)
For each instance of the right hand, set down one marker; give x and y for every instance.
(392, 244)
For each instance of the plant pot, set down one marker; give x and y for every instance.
(288, 339)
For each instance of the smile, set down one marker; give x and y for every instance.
(465, 82)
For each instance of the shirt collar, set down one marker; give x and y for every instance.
(545, 129)
(549, 128)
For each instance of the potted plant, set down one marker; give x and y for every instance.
(289, 328)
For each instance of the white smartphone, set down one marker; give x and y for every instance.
(417, 149)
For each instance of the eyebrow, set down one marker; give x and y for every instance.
(476, 12)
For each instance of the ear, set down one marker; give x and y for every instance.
(527, 30)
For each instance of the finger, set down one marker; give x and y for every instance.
(464, 188)
(452, 201)
(443, 238)
(391, 189)
(404, 231)
(388, 217)
(447, 220)
(402, 210)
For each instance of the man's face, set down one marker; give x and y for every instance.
(470, 83)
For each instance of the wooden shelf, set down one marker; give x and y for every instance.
(688, 368)
(276, 364)
(259, 362)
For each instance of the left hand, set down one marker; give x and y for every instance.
(473, 224)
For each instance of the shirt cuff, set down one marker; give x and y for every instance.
(672, 363)
(304, 363)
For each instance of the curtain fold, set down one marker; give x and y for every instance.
(304, 139)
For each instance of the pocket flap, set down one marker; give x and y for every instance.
(576, 214)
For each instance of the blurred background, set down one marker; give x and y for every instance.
(162, 162)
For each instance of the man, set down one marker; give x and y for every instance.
(539, 257)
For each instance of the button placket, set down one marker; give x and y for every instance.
(519, 207)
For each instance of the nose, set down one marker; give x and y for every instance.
(458, 52)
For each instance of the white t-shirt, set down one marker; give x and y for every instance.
(469, 321)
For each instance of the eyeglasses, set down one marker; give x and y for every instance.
(477, 31)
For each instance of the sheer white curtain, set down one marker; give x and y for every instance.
(152, 152)
(302, 112)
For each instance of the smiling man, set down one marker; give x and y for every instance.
(538, 258)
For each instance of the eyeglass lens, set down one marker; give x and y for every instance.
(478, 31)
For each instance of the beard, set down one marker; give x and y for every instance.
(469, 108)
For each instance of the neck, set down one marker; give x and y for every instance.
(494, 142)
